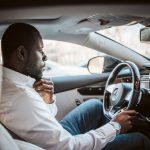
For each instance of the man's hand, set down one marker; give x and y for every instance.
(125, 119)
(46, 90)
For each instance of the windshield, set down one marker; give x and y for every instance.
(128, 36)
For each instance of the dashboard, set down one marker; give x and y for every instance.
(144, 98)
(145, 81)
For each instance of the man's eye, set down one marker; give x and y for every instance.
(41, 52)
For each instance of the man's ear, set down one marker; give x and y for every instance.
(21, 53)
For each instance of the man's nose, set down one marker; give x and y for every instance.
(45, 58)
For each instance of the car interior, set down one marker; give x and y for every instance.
(117, 75)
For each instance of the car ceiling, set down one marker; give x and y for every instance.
(70, 22)
(14, 3)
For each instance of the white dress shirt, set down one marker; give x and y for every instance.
(23, 111)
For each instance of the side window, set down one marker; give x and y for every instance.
(67, 58)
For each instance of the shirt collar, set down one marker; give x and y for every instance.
(17, 77)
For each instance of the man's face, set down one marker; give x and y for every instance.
(35, 62)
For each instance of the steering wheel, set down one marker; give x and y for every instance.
(118, 96)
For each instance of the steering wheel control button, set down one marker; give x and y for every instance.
(114, 94)
(117, 94)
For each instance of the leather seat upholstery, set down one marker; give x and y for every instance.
(8, 143)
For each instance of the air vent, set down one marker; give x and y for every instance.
(145, 78)
(145, 81)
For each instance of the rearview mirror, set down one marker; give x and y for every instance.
(102, 64)
(145, 34)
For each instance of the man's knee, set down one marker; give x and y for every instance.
(141, 137)
(94, 107)
(129, 141)
(95, 103)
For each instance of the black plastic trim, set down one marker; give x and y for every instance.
(91, 90)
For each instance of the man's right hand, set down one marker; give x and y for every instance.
(124, 118)
(46, 90)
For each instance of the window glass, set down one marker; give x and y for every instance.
(68, 54)
(67, 58)
(128, 36)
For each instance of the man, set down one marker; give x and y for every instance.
(27, 107)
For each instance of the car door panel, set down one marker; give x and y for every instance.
(64, 83)
(68, 100)
(72, 91)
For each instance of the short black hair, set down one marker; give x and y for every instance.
(18, 34)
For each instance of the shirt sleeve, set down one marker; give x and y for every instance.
(30, 119)
(52, 107)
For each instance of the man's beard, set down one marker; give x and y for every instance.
(32, 71)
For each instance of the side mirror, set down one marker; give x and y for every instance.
(145, 34)
(101, 64)
(95, 65)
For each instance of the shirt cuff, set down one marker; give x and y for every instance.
(52, 108)
(109, 132)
